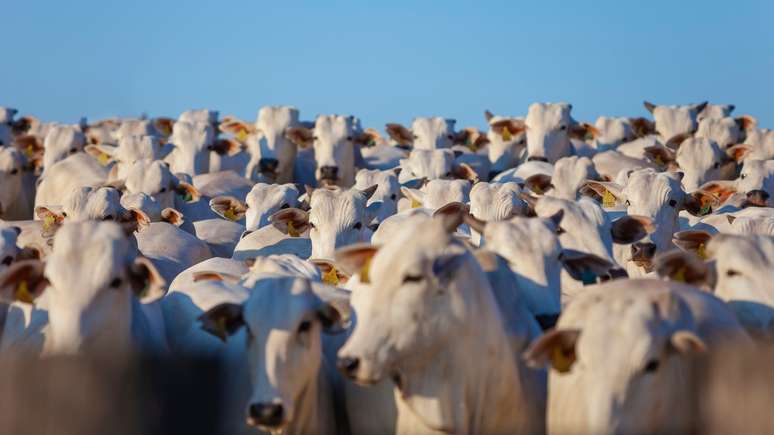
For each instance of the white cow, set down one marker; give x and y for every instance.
(17, 195)
(192, 143)
(548, 125)
(619, 356)
(437, 193)
(425, 134)
(60, 142)
(76, 171)
(129, 150)
(495, 202)
(261, 202)
(506, 142)
(418, 331)
(386, 194)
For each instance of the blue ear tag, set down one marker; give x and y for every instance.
(588, 277)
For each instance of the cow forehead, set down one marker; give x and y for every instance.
(276, 117)
(336, 203)
(144, 202)
(432, 126)
(188, 134)
(278, 302)
(748, 252)
(280, 265)
(148, 176)
(10, 158)
(547, 113)
(333, 127)
(131, 148)
(519, 234)
(271, 193)
(698, 150)
(650, 186)
(409, 250)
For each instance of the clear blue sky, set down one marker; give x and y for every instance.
(387, 62)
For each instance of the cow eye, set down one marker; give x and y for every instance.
(349, 138)
(732, 272)
(450, 137)
(357, 226)
(413, 278)
(108, 217)
(304, 326)
(448, 174)
(742, 176)
(563, 127)
(14, 171)
(116, 283)
(415, 136)
(311, 225)
(716, 165)
(285, 206)
(73, 150)
(628, 204)
(521, 142)
(651, 366)
(314, 137)
(672, 203)
(560, 230)
(163, 189)
(7, 260)
(64, 214)
(393, 197)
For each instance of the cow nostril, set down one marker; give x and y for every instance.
(537, 159)
(267, 414)
(7, 260)
(329, 172)
(268, 165)
(348, 365)
(643, 251)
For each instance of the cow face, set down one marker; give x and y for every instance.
(8, 248)
(152, 177)
(675, 120)
(425, 133)
(723, 131)
(757, 175)
(192, 143)
(744, 266)
(11, 177)
(507, 141)
(437, 193)
(266, 199)
(547, 131)
(702, 160)
(386, 194)
(60, 142)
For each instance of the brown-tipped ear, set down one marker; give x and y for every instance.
(609, 192)
(556, 346)
(356, 258)
(452, 215)
(227, 146)
(738, 152)
(539, 183)
(464, 171)
(700, 203)
(556, 218)
(291, 221)
(642, 127)
(583, 131)
(237, 127)
(675, 141)
(146, 281)
(228, 207)
(508, 129)
(631, 228)
(721, 190)
(368, 192)
(51, 220)
(30, 252)
(172, 216)
(187, 192)
(103, 154)
(208, 275)
(23, 281)
(163, 125)
(301, 136)
(223, 320)
(660, 155)
(687, 342)
(650, 106)
(368, 138)
(585, 267)
(681, 266)
(399, 134)
(746, 122)
(693, 241)
(488, 116)
(330, 274)
(474, 223)
(134, 220)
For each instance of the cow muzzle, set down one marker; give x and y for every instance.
(643, 253)
(537, 159)
(268, 166)
(329, 174)
(756, 198)
(267, 415)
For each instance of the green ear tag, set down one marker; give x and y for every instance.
(588, 277)
(186, 196)
(705, 209)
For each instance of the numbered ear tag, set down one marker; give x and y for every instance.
(292, 231)
(22, 293)
(507, 134)
(364, 272)
(608, 199)
(331, 277)
(560, 361)
(229, 214)
(242, 135)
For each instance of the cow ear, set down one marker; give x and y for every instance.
(738, 152)
(330, 273)
(147, 283)
(23, 281)
(650, 106)
(746, 122)
(187, 192)
(30, 252)
(134, 220)
(585, 267)
(301, 136)
(452, 215)
(508, 129)
(208, 275)
(172, 216)
(399, 134)
(609, 193)
(368, 192)
(103, 153)
(642, 126)
(291, 221)
(682, 266)
(555, 347)
(416, 196)
(660, 155)
(227, 146)
(675, 141)
(488, 116)
(719, 191)
(474, 223)
(163, 125)
(583, 131)
(52, 220)
(228, 207)
(539, 183)
(368, 138)
(700, 107)
(693, 241)
(686, 342)
(235, 126)
(464, 171)
(630, 228)
(223, 320)
(356, 258)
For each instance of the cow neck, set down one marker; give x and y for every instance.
(313, 413)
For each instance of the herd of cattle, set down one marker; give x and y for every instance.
(545, 275)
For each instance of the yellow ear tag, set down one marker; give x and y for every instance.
(229, 214)
(29, 151)
(701, 252)
(292, 231)
(242, 135)
(679, 275)
(659, 161)
(48, 221)
(415, 203)
(364, 271)
(220, 325)
(22, 293)
(507, 134)
(608, 199)
(537, 189)
(103, 159)
(560, 361)
(331, 277)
